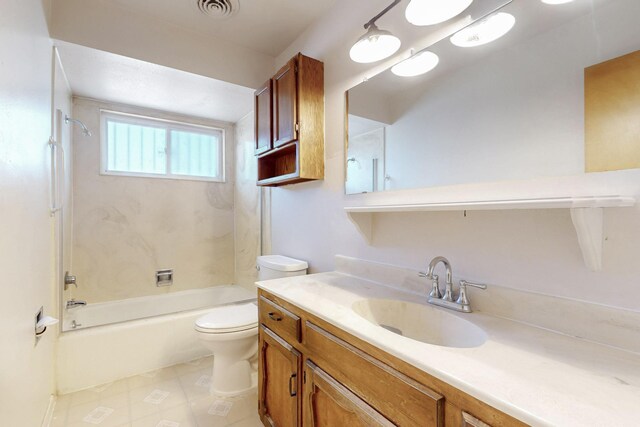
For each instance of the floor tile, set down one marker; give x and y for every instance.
(203, 417)
(151, 377)
(180, 416)
(252, 421)
(194, 365)
(151, 399)
(196, 384)
(59, 418)
(243, 408)
(177, 396)
(99, 416)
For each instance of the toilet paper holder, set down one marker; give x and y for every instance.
(43, 321)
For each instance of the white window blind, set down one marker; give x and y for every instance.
(143, 146)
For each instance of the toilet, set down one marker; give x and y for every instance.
(231, 332)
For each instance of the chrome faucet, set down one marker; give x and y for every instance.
(72, 303)
(461, 303)
(435, 287)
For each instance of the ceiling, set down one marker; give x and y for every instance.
(266, 26)
(106, 76)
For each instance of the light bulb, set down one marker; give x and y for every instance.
(420, 63)
(431, 12)
(375, 45)
(485, 31)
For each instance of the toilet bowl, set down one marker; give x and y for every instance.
(231, 333)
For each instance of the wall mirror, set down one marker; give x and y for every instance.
(519, 107)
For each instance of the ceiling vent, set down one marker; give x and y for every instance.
(220, 9)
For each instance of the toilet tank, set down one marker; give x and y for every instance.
(278, 266)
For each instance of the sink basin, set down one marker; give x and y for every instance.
(421, 322)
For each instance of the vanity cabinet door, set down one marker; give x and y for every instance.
(469, 420)
(329, 403)
(400, 399)
(285, 105)
(263, 118)
(278, 381)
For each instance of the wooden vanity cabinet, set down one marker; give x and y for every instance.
(345, 381)
(279, 368)
(289, 116)
(329, 403)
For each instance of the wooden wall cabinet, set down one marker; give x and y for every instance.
(319, 376)
(263, 118)
(289, 124)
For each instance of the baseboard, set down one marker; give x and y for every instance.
(48, 416)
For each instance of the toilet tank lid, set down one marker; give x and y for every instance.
(281, 263)
(229, 316)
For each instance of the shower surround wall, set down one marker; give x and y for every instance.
(126, 228)
(247, 204)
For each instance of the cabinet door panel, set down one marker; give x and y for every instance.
(285, 105)
(278, 381)
(330, 404)
(264, 118)
(469, 420)
(399, 398)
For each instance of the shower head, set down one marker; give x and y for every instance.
(85, 131)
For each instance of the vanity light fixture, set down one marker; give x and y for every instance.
(556, 1)
(431, 12)
(420, 63)
(487, 30)
(375, 44)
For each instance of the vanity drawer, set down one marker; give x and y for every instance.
(280, 320)
(397, 397)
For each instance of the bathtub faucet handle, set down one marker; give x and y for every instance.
(69, 280)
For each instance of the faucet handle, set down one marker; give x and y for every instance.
(462, 298)
(435, 284)
(435, 287)
(69, 280)
(464, 283)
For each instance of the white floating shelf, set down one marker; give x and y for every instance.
(586, 213)
(548, 203)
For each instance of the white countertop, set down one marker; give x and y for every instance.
(535, 375)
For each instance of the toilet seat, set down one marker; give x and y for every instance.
(228, 319)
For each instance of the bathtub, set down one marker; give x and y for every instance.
(119, 339)
(105, 313)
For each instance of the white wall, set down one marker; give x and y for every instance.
(26, 243)
(126, 228)
(531, 250)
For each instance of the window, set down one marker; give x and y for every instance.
(142, 146)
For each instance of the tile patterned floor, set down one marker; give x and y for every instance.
(177, 396)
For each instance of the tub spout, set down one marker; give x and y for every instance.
(72, 303)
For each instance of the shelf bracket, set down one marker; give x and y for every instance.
(364, 224)
(589, 225)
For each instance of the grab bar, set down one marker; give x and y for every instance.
(57, 194)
